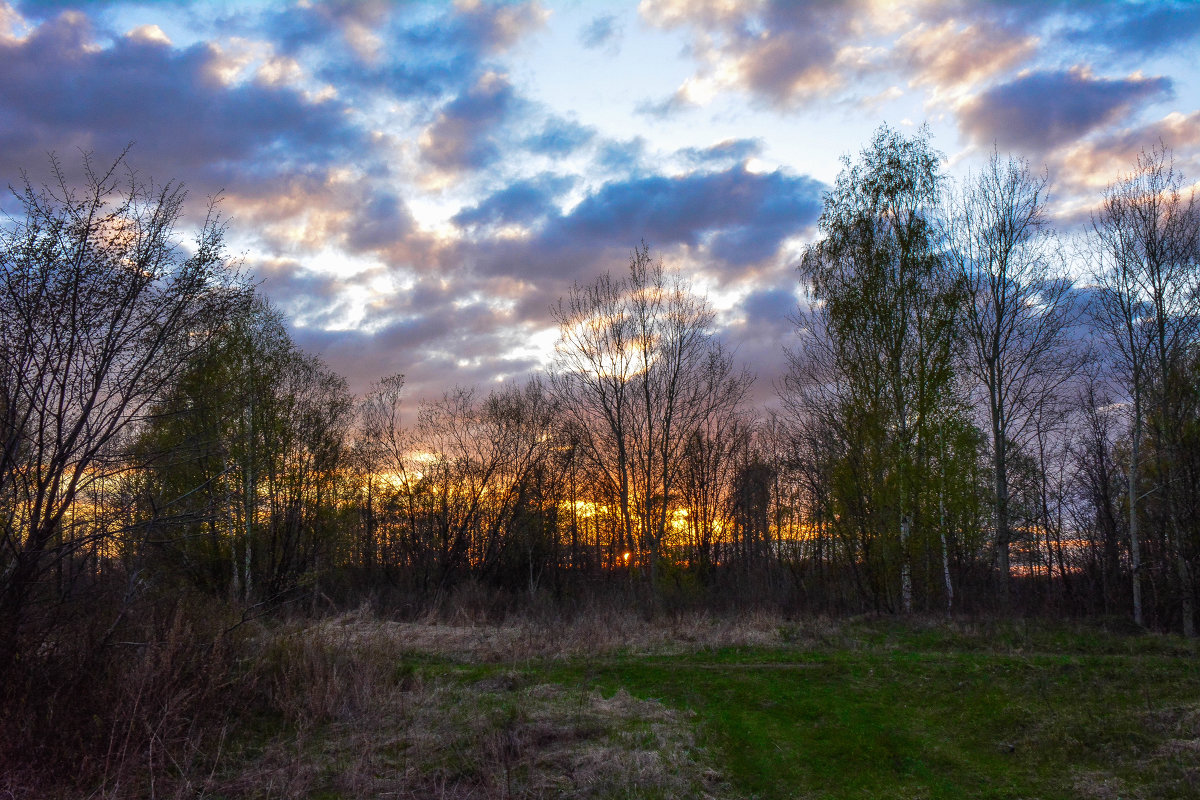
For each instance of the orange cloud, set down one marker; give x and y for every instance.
(953, 56)
(1092, 164)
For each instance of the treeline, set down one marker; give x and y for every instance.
(977, 424)
(979, 415)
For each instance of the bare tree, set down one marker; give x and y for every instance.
(478, 459)
(592, 380)
(1017, 316)
(1097, 481)
(637, 370)
(1147, 243)
(100, 309)
(713, 448)
(383, 446)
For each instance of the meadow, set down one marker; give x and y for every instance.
(608, 705)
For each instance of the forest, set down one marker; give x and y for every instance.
(982, 416)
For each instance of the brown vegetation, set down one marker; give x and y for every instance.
(343, 706)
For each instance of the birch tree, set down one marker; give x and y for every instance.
(1017, 315)
(889, 305)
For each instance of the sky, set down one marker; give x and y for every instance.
(415, 184)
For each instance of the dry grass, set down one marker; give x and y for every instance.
(601, 632)
(1173, 761)
(137, 718)
(354, 721)
(1099, 786)
(335, 707)
(485, 742)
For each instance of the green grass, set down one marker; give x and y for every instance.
(815, 709)
(891, 710)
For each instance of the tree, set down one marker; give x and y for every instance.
(481, 458)
(382, 447)
(637, 372)
(889, 305)
(248, 447)
(714, 449)
(302, 443)
(1146, 238)
(1017, 316)
(100, 311)
(592, 380)
(1097, 479)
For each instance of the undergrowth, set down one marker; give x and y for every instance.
(607, 705)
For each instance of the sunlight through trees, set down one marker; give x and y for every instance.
(963, 426)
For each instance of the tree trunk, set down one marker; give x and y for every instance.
(1003, 534)
(906, 591)
(1135, 553)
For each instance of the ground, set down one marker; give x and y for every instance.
(612, 706)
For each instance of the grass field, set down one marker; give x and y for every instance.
(929, 716)
(751, 708)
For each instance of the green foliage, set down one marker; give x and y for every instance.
(888, 306)
(244, 459)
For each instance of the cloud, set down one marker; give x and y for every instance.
(190, 118)
(438, 334)
(309, 298)
(286, 113)
(730, 149)
(467, 328)
(602, 33)
(1134, 30)
(45, 9)
(432, 50)
(522, 202)
(380, 218)
(559, 137)
(463, 136)
(321, 211)
(414, 212)
(621, 157)
(1041, 110)
(467, 25)
(758, 327)
(770, 305)
(498, 26)
(954, 55)
(784, 52)
(678, 101)
(1085, 167)
(789, 54)
(298, 176)
(729, 223)
(741, 217)
(358, 22)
